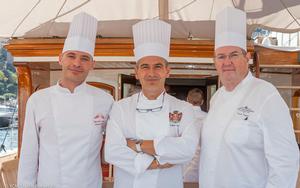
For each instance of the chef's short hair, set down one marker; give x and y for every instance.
(195, 97)
(165, 61)
(244, 52)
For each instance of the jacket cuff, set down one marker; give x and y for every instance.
(142, 161)
(159, 149)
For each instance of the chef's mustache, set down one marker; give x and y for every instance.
(228, 67)
(152, 77)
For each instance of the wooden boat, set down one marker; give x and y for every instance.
(191, 63)
(191, 60)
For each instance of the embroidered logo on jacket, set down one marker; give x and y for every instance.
(245, 112)
(175, 118)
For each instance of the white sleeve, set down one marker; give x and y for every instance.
(116, 150)
(179, 150)
(281, 149)
(28, 163)
(191, 170)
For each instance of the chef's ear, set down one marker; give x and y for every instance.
(60, 58)
(93, 64)
(168, 68)
(136, 71)
(248, 56)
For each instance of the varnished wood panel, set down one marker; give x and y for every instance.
(107, 87)
(40, 77)
(110, 47)
(9, 172)
(267, 56)
(24, 91)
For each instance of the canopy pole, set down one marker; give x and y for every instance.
(163, 7)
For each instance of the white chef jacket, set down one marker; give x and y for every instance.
(62, 138)
(173, 144)
(247, 140)
(191, 170)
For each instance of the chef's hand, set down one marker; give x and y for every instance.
(155, 165)
(131, 144)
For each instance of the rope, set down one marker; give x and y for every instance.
(77, 7)
(61, 7)
(211, 9)
(286, 8)
(58, 15)
(15, 30)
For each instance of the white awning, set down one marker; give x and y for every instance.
(189, 18)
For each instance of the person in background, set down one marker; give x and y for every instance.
(63, 123)
(151, 134)
(191, 170)
(196, 98)
(247, 140)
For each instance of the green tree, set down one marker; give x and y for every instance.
(2, 76)
(11, 88)
(2, 99)
(8, 77)
(3, 58)
(8, 96)
(2, 88)
(10, 67)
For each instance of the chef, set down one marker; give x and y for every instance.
(62, 131)
(247, 140)
(150, 134)
(191, 170)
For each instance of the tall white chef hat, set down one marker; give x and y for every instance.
(82, 34)
(231, 28)
(151, 38)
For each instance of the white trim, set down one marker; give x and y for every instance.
(35, 59)
(120, 58)
(113, 58)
